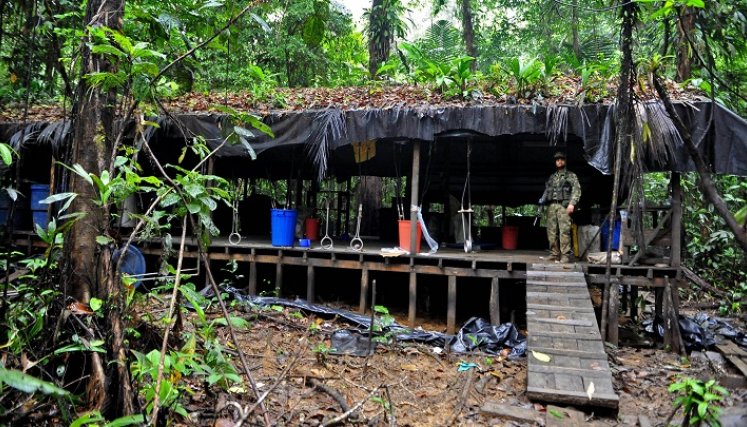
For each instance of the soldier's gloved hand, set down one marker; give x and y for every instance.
(570, 209)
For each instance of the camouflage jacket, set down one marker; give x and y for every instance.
(562, 187)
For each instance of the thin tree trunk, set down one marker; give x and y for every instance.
(468, 32)
(89, 271)
(706, 182)
(685, 27)
(574, 29)
(625, 122)
(378, 48)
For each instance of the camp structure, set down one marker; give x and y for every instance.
(450, 158)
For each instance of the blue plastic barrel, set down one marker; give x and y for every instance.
(132, 264)
(39, 192)
(40, 217)
(605, 232)
(5, 202)
(283, 227)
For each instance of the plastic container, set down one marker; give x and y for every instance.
(40, 217)
(133, 263)
(39, 192)
(311, 226)
(5, 203)
(510, 237)
(604, 233)
(404, 235)
(283, 227)
(304, 243)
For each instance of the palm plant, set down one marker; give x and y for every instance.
(385, 23)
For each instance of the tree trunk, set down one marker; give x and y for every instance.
(468, 32)
(574, 29)
(378, 47)
(88, 265)
(685, 28)
(625, 124)
(371, 200)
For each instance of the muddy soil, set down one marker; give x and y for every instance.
(411, 384)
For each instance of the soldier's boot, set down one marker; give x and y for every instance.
(566, 259)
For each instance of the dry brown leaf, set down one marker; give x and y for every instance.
(409, 367)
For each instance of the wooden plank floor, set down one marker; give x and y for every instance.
(561, 325)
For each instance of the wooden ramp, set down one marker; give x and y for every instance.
(562, 327)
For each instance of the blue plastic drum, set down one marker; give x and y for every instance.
(133, 263)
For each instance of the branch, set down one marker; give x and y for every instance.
(706, 182)
(172, 305)
(208, 40)
(348, 413)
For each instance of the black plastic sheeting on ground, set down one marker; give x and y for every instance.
(477, 335)
(701, 331)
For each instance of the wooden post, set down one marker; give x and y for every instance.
(415, 179)
(676, 256)
(451, 306)
(364, 291)
(672, 335)
(310, 291)
(633, 302)
(495, 302)
(411, 311)
(612, 312)
(279, 276)
(252, 278)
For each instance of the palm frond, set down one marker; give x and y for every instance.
(660, 137)
(442, 41)
(330, 129)
(556, 123)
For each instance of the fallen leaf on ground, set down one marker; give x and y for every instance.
(590, 390)
(542, 357)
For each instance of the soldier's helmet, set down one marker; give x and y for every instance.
(559, 155)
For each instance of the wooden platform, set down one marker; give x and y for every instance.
(562, 327)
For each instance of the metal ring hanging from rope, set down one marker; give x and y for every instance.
(327, 242)
(235, 238)
(467, 213)
(356, 243)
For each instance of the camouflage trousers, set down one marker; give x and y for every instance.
(559, 230)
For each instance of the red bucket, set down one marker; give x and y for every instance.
(404, 235)
(312, 228)
(510, 238)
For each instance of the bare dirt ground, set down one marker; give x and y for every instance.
(412, 384)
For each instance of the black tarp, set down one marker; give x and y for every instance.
(722, 141)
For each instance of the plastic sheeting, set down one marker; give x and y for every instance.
(701, 331)
(477, 335)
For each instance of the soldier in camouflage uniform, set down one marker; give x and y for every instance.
(562, 192)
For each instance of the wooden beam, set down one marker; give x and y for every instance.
(612, 314)
(676, 256)
(252, 278)
(451, 306)
(411, 310)
(415, 179)
(495, 303)
(364, 291)
(310, 290)
(279, 277)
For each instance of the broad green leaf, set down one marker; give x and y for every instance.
(93, 417)
(129, 420)
(28, 384)
(96, 304)
(6, 153)
(105, 49)
(104, 240)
